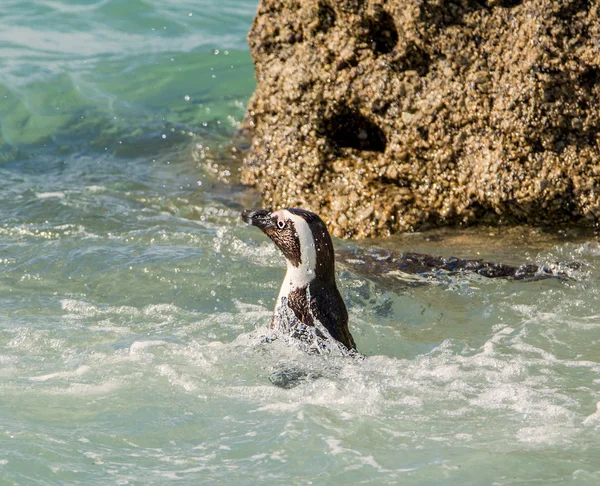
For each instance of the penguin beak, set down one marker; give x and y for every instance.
(261, 218)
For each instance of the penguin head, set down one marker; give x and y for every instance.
(301, 236)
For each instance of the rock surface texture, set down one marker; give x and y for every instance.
(390, 116)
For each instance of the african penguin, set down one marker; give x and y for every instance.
(309, 288)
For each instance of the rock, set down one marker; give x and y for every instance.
(386, 116)
(290, 376)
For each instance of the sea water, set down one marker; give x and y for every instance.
(133, 298)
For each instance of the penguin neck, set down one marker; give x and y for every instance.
(296, 277)
(303, 276)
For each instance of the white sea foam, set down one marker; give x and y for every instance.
(47, 195)
(139, 347)
(85, 389)
(594, 418)
(82, 370)
(176, 378)
(96, 188)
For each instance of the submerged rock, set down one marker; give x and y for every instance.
(289, 376)
(389, 116)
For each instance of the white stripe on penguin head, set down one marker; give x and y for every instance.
(305, 272)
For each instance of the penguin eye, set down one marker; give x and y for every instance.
(280, 224)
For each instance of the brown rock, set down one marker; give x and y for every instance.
(388, 116)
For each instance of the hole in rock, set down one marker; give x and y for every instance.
(382, 32)
(590, 77)
(413, 59)
(326, 17)
(572, 8)
(504, 3)
(350, 129)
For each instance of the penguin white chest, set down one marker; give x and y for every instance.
(299, 274)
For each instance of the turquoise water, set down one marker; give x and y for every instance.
(132, 297)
